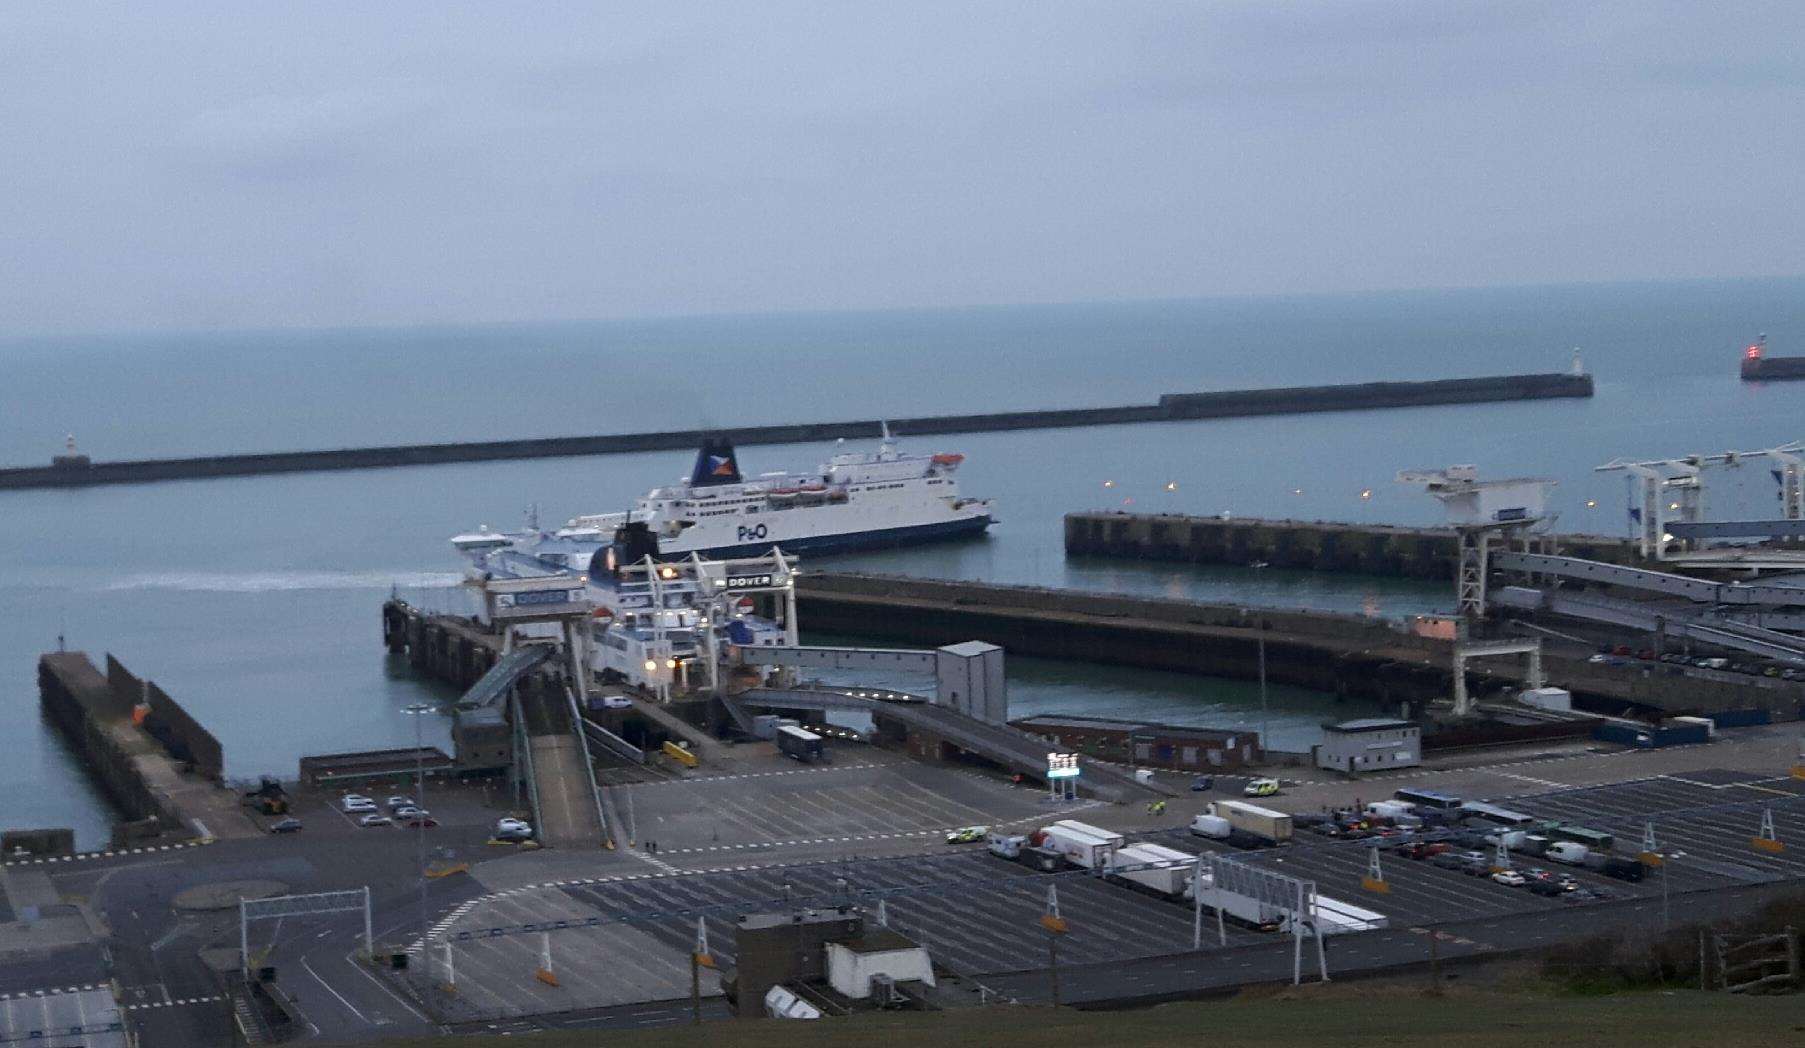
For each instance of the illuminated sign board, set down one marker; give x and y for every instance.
(1062, 765)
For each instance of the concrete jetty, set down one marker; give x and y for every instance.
(76, 470)
(153, 761)
(1370, 659)
(1311, 545)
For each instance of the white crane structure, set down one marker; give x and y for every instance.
(1665, 491)
(1481, 512)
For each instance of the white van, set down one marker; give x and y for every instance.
(1568, 852)
(1212, 826)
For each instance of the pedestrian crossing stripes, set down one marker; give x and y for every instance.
(84, 856)
(704, 779)
(50, 991)
(175, 1002)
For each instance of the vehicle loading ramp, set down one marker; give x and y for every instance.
(1782, 647)
(568, 812)
(508, 671)
(1010, 747)
(700, 743)
(1702, 590)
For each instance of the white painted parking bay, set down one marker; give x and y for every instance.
(828, 802)
(613, 964)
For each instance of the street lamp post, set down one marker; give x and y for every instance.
(1666, 895)
(418, 711)
(1265, 725)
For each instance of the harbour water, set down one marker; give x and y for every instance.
(254, 600)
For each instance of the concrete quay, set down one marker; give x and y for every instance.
(74, 470)
(1347, 655)
(1309, 545)
(158, 767)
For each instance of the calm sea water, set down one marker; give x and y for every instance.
(254, 600)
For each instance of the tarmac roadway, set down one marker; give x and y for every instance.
(866, 827)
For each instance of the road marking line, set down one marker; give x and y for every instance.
(341, 997)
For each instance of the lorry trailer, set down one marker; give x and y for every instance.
(1269, 825)
(1165, 871)
(1335, 917)
(1085, 850)
(1095, 831)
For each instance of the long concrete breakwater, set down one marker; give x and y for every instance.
(79, 471)
(1312, 545)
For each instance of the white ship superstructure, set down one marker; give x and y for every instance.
(659, 625)
(854, 500)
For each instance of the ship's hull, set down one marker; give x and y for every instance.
(847, 542)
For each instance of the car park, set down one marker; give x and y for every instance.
(288, 825)
(375, 819)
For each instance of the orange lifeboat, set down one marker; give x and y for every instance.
(948, 460)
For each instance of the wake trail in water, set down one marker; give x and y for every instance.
(273, 581)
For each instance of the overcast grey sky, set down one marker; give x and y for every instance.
(251, 165)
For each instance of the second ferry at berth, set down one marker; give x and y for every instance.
(854, 500)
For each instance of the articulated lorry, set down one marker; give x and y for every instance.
(1271, 826)
(1079, 847)
(1165, 871)
(1332, 916)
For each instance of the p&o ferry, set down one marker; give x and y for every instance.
(854, 500)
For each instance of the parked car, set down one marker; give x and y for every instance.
(1261, 788)
(509, 824)
(399, 801)
(375, 819)
(288, 825)
(1510, 878)
(1448, 860)
(421, 821)
(1202, 784)
(409, 811)
(354, 804)
(1546, 887)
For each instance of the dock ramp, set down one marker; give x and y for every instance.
(508, 670)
